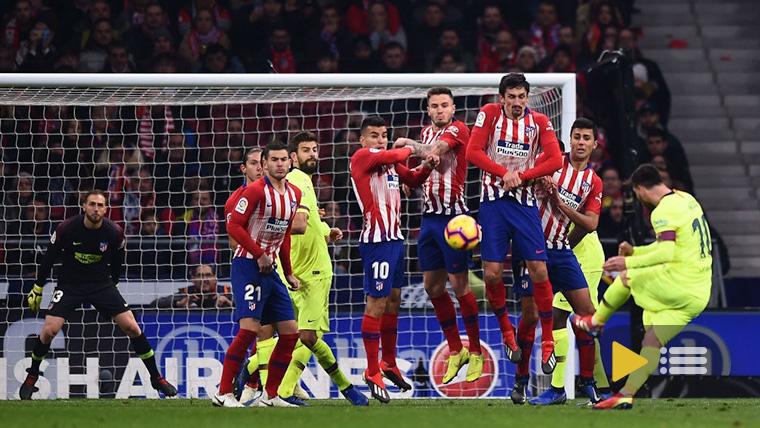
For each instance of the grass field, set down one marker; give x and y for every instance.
(400, 413)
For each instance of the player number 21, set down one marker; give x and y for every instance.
(380, 270)
(250, 290)
(705, 241)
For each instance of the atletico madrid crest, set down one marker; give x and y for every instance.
(103, 247)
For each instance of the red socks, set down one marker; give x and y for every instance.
(526, 334)
(543, 295)
(234, 358)
(497, 298)
(388, 333)
(469, 307)
(586, 353)
(371, 338)
(447, 317)
(279, 361)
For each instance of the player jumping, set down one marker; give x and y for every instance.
(92, 250)
(444, 199)
(505, 143)
(670, 278)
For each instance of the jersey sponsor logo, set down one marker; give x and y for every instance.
(393, 182)
(103, 246)
(569, 198)
(52, 238)
(481, 119)
(87, 259)
(512, 148)
(276, 225)
(241, 205)
(459, 387)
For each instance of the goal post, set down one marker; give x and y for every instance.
(166, 148)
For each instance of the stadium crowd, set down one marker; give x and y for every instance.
(169, 169)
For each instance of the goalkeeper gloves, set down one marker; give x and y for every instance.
(34, 298)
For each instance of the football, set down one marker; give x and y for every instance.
(463, 232)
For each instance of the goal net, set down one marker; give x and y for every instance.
(167, 150)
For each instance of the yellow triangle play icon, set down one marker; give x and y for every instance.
(624, 361)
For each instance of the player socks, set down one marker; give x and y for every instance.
(585, 344)
(468, 305)
(637, 378)
(447, 317)
(544, 296)
(39, 352)
(613, 298)
(600, 376)
(145, 352)
(278, 363)
(233, 359)
(497, 298)
(326, 359)
(264, 350)
(526, 335)
(253, 360)
(371, 338)
(388, 334)
(301, 357)
(560, 351)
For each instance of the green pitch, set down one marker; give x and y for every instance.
(400, 413)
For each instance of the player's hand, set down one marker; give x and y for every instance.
(511, 180)
(625, 249)
(402, 142)
(615, 264)
(433, 161)
(266, 264)
(34, 298)
(335, 234)
(294, 283)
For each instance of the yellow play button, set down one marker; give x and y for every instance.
(624, 361)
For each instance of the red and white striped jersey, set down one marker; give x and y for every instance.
(579, 190)
(376, 176)
(512, 144)
(444, 189)
(265, 214)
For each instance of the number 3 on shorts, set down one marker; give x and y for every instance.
(57, 296)
(250, 290)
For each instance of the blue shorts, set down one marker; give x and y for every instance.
(432, 250)
(505, 220)
(259, 296)
(383, 266)
(564, 273)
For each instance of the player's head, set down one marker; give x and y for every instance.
(514, 89)
(304, 152)
(275, 160)
(373, 133)
(251, 166)
(440, 106)
(647, 184)
(583, 136)
(95, 205)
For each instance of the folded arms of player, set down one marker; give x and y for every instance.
(415, 177)
(551, 158)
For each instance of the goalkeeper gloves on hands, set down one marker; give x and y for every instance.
(34, 298)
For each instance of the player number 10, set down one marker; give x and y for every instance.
(380, 270)
(250, 290)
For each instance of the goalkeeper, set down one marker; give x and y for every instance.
(92, 250)
(670, 278)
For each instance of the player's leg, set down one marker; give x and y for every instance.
(493, 251)
(265, 342)
(526, 335)
(555, 394)
(445, 312)
(50, 329)
(468, 305)
(580, 301)
(388, 338)
(543, 295)
(614, 297)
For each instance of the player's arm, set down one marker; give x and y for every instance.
(287, 266)
(236, 226)
(588, 220)
(370, 159)
(300, 220)
(414, 177)
(552, 157)
(34, 298)
(117, 257)
(575, 236)
(479, 136)
(661, 251)
(438, 148)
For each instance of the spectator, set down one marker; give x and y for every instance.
(33, 221)
(357, 17)
(98, 10)
(93, 58)
(17, 28)
(604, 15)
(566, 36)
(381, 33)
(562, 60)
(254, 24)
(201, 227)
(141, 39)
(449, 40)
(37, 54)
(165, 63)
(427, 32)
(327, 63)
(203, 34)
(491, 22)
(657, 144)
(363, 59)
(452, 15)
(220, 16)
(544, 31)
(218, 60)
(67, 62)
(503, 56)
(394, 58)
(156, 123)
(659, 91)
(203, 293)
(7, 60)
(118, 60)
(612, 223)
(613, 186)
(449, 62)
(21, 195)
(149, 225)
(278, 56)
(527, 60)
(331, 37)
